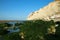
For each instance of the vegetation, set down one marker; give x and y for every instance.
(35, 30)
(31, 30)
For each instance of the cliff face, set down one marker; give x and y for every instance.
(49, 12)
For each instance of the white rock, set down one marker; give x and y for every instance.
(49, 12)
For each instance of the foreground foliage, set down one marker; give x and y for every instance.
(31, 30)
(35, 30)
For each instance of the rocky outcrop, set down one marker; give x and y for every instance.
(49, 12)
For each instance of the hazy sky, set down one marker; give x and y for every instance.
(20, 9)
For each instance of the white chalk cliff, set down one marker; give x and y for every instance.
(49, 12)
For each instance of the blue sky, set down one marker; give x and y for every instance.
(20, 9)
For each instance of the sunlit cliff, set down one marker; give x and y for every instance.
(49, 12)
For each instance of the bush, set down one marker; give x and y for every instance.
(34, 30)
